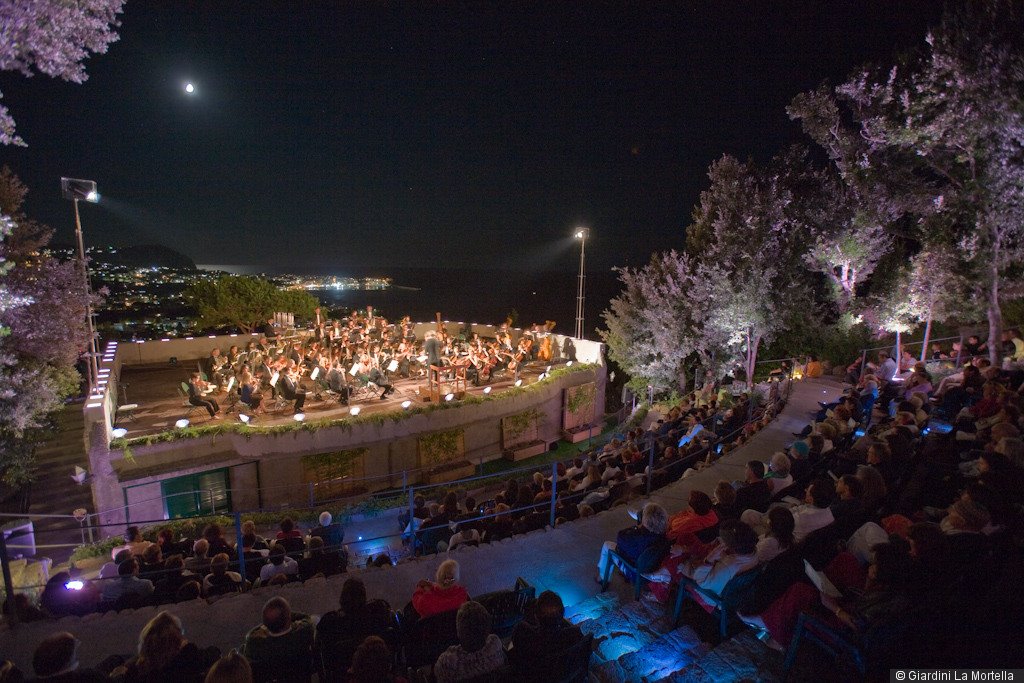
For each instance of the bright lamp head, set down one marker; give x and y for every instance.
(119, 432)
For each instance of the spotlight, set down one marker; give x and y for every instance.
(487, 390)
(299, 417)
(568, 364)
(518, 383)
(119, 432)
(74, 585)
(542, 376)
(189, 88)
(353, 411)
(549, 369)
(181, 424)
(449, 397)
(244, 418)
(93, 196)
(406, 404)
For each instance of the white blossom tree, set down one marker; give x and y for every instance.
(941, 137)
(652, 326)
(749, 237)
(52, 37)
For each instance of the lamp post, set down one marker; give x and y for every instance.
(75, 189)
(581, 235)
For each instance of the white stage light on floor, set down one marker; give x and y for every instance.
(518, 383)
(244, 418)
(568, 364)
(549, 369)
(487, 390)
(406, 404)
(299, 417)
(353, 411)
(449, 397)
(119, 432)
(181, 424)
(542, 376)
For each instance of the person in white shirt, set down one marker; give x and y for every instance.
(279, 563)
(733, 554)
(611, 471)
(577, 467)
(779, 534)
(778, 476)
(814, 514)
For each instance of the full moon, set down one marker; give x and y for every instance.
(189, 88)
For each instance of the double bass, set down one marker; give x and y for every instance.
(545, 353)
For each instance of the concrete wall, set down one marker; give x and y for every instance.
(273, 463)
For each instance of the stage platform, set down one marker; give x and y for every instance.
(155, 389)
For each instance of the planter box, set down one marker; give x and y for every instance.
(526, 450)
(578, 434)
(450, 472)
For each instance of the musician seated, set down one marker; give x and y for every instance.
(338, 383)
(197, 390)
(366, 372)
(249, 391)
(288, 385)
(268, 330)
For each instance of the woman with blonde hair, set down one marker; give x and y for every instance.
(165, 654)
(441, 595)
(231, 668)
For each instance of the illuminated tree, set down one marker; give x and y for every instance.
(652, 326)
(940, 137)
(52, 37)
(42, 333)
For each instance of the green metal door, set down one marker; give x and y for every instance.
(196, 494)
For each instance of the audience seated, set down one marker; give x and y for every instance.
(754, 493)
(332, 533)
(279, 565)
(127, 584)
(56, 659)
(165, 655)
(441, 595)
(220, 581)
(340, 631)
(284, 640)
(630, 543)
(542, 634)
(372, 663)
(231, 668)
(479, 651)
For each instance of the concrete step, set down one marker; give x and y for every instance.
(740, 658)
(671, 652)
(629, 628)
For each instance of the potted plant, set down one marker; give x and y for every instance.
(578, 413)
(442, 456)
(520, 435)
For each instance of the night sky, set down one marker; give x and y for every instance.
(333, 135)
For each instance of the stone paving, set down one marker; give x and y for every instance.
(561, 559)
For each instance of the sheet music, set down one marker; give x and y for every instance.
(273, 379)
(315, 373)
(821, 581)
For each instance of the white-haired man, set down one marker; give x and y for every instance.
(332, 533)
(632, 542)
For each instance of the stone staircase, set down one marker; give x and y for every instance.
(635, 642)
(54, 492)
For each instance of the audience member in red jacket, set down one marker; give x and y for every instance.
(441, 595)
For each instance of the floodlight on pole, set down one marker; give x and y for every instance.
(75, 189)
(581, 235)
